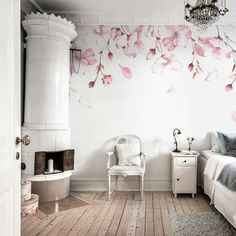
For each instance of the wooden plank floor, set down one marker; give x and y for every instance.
(125, 214)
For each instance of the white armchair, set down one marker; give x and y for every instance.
(130, 160)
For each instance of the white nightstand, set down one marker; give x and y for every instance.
(184, 172)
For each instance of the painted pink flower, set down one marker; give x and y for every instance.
(164, 62)
(199, 50)
(229, 87)
(217, 46)
(151, 53)
(129, 52)
(116, 33)
(107, 79)
(139, 29)
(101, 30)
(214, 73)
(87, 58)
(126, 72)
(190, 67)
(139, 44)
(91, 84)
(110, 55)
(176, 36)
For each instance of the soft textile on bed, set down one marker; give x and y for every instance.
(227, 176)
(211, 167)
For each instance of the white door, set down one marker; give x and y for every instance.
(9, 117)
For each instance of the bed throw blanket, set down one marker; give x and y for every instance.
(227, 176)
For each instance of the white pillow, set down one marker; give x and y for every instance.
(215, 144)
(128, 154)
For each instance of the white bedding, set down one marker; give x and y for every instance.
(215, 164)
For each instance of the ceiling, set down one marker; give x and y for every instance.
(111, 5)
(120, 12)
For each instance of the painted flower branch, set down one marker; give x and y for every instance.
(167, 39)
(106, 79)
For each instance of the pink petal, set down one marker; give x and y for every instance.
(139, 29)
(199, 50)
(234, 116)
(217, 52)
(126, 72)
(139, 44)
(229, 87)
(203, 40)
(116, 33)
(228, 52)
(84, 62)
(190, 67)
(151, 54)
(167, 40)
(169, 43)
(88, 53)
(110, 56)
(91, 61)
(91, 84)
(149, 29)
(206, 41)
(188, 34)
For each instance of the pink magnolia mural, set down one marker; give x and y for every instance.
(164, 40)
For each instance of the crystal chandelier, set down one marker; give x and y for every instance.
(205, 12)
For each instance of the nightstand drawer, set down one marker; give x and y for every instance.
(185, 161)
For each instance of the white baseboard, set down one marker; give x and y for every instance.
(129, 184)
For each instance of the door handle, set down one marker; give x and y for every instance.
(23, 166)
(25, 140)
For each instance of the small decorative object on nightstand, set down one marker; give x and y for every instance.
(175, 132)
(184, 172)
(190, 141)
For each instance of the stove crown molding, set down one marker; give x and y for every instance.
(49, 25)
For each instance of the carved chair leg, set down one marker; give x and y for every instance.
(109, 187)
(116, 181)
(139, 178)
(141, 190)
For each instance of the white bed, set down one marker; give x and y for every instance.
(223, 199)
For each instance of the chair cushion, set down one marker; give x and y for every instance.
(128, 154)
(126, 170)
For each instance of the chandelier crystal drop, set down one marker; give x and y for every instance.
(205, 12)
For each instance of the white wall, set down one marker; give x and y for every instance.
(149, 104)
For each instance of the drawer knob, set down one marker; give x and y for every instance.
(178, 179)
(185, 161)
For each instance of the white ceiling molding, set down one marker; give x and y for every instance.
(134, 18)
(126, 18)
